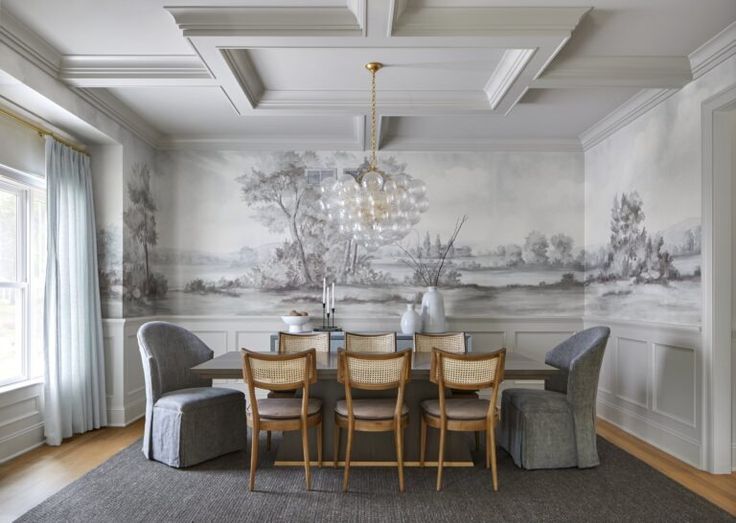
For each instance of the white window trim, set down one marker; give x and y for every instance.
(22, 183)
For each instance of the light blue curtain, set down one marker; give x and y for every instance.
(74, 386)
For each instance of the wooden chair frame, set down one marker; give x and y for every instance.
(320, 342)
(397, 424)
(354, 335)
(439, 336)
(303, 422)
(488, 424)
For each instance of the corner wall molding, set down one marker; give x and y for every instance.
(714, 52)
(639, 104)
(706, 57)
(114, 109)
(28, 44)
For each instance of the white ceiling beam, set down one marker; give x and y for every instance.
(134, 71)
(507, 71)
(313, 20)
(406, 143)
(409, 20)
(617, 71)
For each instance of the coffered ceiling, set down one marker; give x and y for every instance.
(464, 74)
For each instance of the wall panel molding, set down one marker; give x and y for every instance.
(639, 376)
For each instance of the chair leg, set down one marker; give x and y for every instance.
(477, 441)
(319, 444)
(422, 442)
(348, 450)
(398, 433)
(335, 444)
(441, 458)
(492, 452)
(305, 450)
(268, 440)
(253, 459)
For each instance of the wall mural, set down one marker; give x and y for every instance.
(231, 233)
(236, 233)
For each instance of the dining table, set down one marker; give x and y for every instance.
(376, 449)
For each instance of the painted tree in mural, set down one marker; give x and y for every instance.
(561, 249)
(286, 200)
(628, 235)
(632, 253)
(535, 248)
(139, 219)
(281, 195)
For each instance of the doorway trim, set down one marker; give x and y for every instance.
(716, 158)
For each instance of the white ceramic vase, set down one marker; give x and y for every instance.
(433, 311)
(410, 320)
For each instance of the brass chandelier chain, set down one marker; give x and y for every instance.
(373, 67)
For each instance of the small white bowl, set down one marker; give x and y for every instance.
(295, 323)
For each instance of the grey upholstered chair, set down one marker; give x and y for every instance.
(187, 420)
(555, 427)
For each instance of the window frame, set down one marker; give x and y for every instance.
(25, 186)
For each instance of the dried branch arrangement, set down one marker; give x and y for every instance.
(430, 270)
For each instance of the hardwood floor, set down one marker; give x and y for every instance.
(32, 477)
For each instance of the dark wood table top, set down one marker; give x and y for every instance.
(230, 364)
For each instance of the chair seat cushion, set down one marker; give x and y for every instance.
(184, 400)
(458, 408)
(286, 408)
(535, 400)
(375, 409)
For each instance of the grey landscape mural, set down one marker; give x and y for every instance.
(238, 233)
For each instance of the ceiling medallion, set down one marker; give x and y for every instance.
(374, 207)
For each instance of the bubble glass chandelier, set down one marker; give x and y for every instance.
(374, 208)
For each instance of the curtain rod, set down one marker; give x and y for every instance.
(42, 131)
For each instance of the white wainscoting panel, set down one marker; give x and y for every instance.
(21, 420)
(651, 385)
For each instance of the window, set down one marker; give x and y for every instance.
(317, 176)
(22, 272)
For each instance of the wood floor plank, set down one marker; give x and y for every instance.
(29, 479)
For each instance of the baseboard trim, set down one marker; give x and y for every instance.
(666, 440)
(34, 433)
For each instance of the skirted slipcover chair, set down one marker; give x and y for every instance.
(187, 420)
(555, 427)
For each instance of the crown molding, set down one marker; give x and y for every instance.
(35, 50)
(325, 20)
(484, 21)
(245, 73)
(113, 108)
(28, 44)
(630, 110)
(617, 71)
(714, 52)
(509, 68)
(134, 71)
(396, 143)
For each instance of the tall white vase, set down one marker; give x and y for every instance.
(410, 320)
(433, 311)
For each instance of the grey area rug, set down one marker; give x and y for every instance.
(130, 488)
